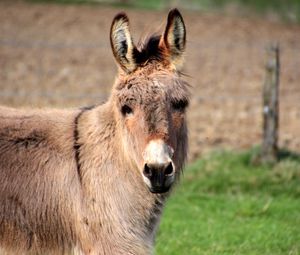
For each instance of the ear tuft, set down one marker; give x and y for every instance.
(174, 37)
(121, 16)
(121, 42)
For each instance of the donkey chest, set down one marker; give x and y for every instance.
(122, 214)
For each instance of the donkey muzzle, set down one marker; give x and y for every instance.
(160, 176)
(159, 170)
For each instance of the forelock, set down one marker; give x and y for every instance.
(148, 50)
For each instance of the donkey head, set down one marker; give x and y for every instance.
(150, 100)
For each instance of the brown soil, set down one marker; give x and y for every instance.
(59, 55)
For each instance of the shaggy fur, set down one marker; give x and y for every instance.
(71, 180)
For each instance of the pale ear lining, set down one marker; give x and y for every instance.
(121, 43)
(175, 37)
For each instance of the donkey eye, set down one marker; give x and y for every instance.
(179, 105)
(126, 110)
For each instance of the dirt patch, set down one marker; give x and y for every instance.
(59, 55)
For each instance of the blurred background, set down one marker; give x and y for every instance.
(56, 53)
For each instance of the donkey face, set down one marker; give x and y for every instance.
(150, 100)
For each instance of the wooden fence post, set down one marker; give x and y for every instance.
(269, 151)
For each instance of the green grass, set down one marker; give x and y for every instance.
(136, 4)
(287, 10)
(225, 205)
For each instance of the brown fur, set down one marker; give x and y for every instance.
(70, 180)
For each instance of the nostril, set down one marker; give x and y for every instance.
(169, 169)
(147, 171)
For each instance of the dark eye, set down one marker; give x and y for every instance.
(126, 110)
(179, 105)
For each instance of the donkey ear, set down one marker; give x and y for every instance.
(174, 37)
(121, 42)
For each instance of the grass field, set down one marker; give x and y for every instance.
(224, 205)
(288, 10)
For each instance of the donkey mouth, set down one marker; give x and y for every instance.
(159, 189)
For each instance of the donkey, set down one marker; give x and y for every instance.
(94, 180)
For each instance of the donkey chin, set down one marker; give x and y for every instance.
(159, 169)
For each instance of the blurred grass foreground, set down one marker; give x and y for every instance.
(287, 10)
(225, 205)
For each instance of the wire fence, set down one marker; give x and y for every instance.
(17, 43)
(59, 45)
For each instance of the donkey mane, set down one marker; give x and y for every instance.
(77, 145)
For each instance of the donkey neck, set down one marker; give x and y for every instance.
(110, 181)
